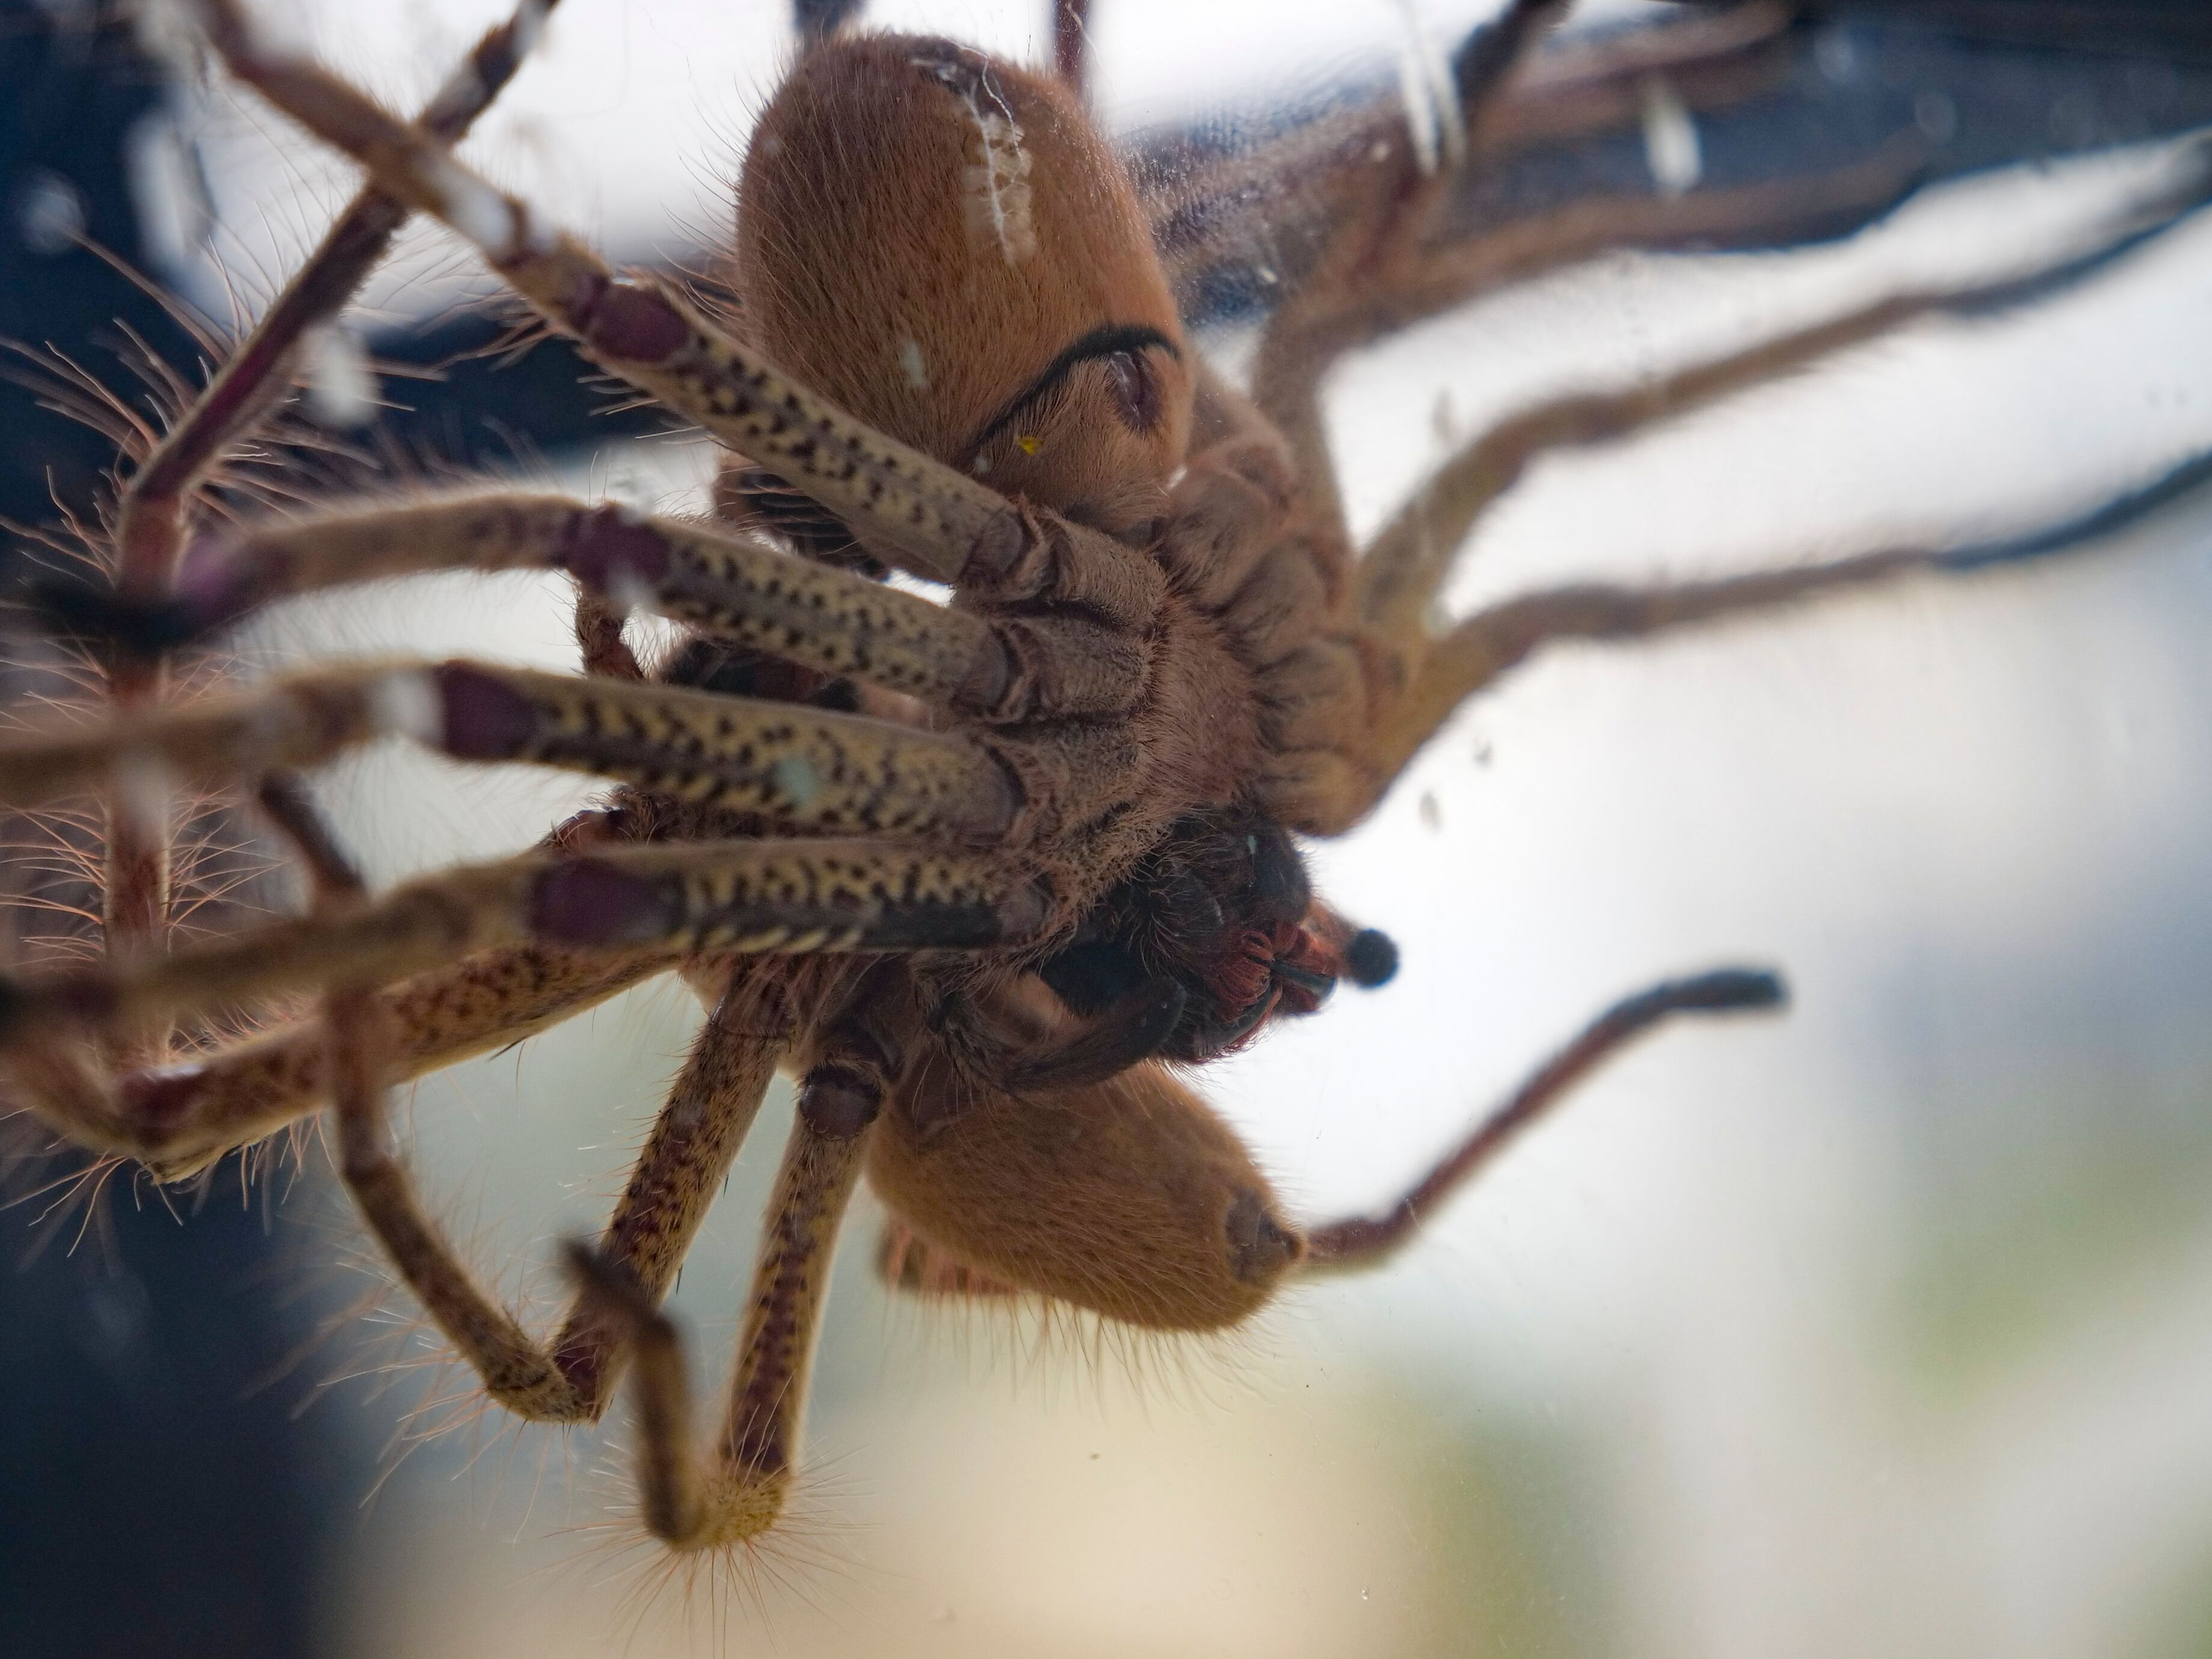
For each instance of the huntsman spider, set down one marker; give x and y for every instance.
(987, 874)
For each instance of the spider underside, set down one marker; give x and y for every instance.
(977, 872)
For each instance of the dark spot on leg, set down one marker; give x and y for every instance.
(591, 902)
(607, 544)
(636, 324)
(486, 718)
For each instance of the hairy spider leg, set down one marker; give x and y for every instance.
(720, 582)
(714, 898)
(1408, 559)
(737, 1491)
(694, 1139)
(800, 767)
(1421, 680)
(151, 511)
(930, 518)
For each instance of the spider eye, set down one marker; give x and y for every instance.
(1136, 398)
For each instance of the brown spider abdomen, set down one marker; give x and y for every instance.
(923, 232)
(1130, 1198)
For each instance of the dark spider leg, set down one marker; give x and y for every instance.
(149, 524)
(1409, 558)
(802, 767)
(515, 1370)
(737, 1492)
(738, 898)
(1361, 1242)
(940, 523)
(730, 585)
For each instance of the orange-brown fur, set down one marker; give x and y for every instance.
(856, 241)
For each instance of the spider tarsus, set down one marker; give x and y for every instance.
(2192, 474)
(1724, 988)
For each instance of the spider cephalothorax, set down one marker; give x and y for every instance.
(974, 869)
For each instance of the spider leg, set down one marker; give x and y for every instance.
(1287, 193)
(1413, 681)
(149, 524)
(730, 585)
(1360, 1242)
(1324, 791)
(1403, 566)
(737, 1492)
(806, 766)
(599, 642)
(715, 897)
(691, 1149)
(180, 1116)
(694, 1141)
(1477, 651)
(934, 522)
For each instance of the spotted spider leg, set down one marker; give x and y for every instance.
(924, 517)
(653, 897)
(1056, 559)
(152, 511)
(613, 1320)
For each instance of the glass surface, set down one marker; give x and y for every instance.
(1880, 1326)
